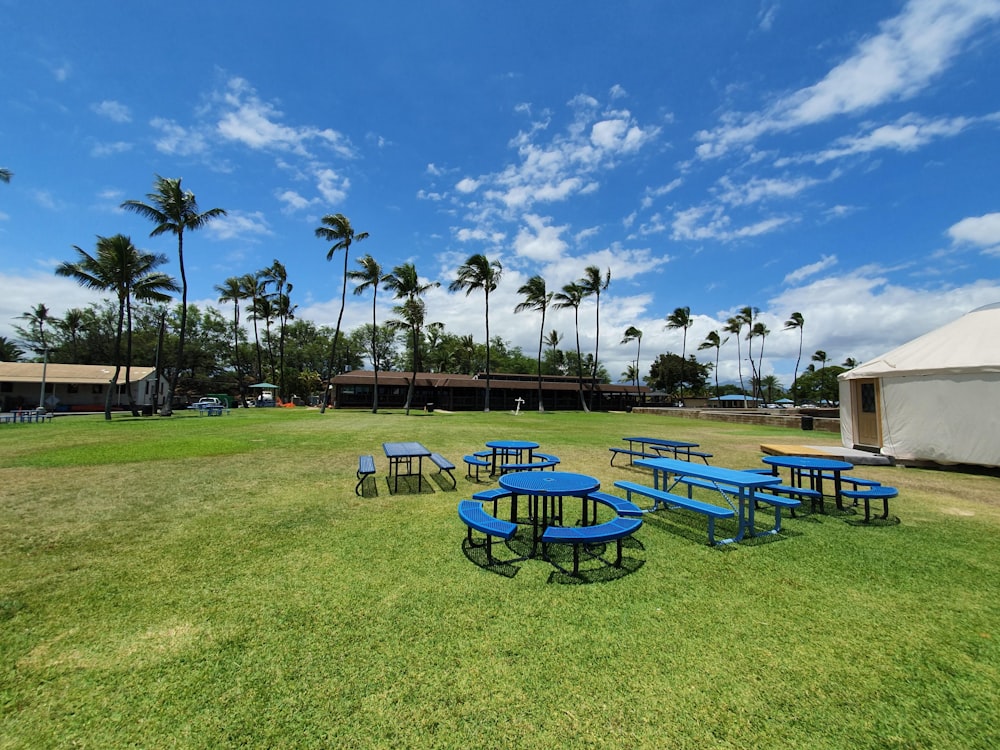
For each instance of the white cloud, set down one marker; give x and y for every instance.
(760, 189)
(712, 223)
(467, 185)
(827, 261)
(982, 231)
(539, 240)
(114, 111)
(177, 140)
(909, 51)
(294, 201)
(110, 149)
(332, 186)
(249, 120)
(239, 224)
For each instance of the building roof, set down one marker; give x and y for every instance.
(31, 372)
(523, 382)
(967, 345)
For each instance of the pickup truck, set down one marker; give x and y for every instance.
(204, 401)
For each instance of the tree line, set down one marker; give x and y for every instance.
(201, 351)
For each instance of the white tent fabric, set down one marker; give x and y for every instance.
(939, 394)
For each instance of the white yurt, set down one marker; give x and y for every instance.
(935, 398)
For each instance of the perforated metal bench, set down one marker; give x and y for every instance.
(444, 465)
(366, 467)
(879, 492)
(671, 501)
(476, 518)
(615, 530)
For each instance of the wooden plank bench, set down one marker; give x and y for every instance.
(879, 492)
(444, 465)
(476, 518)
(366, 467)
(616, 530)
(476, 461)
(671, 501)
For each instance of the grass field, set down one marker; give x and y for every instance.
(215, 582)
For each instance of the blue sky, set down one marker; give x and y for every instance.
(835, 159)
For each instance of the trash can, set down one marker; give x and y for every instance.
(429, 408)
(807, 422)
(147, 410)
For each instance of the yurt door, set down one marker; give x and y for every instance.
(865, 398)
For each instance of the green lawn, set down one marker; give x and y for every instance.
(215, 582)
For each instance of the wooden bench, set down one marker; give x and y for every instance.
(879, 492)
(475, 518)
(615, 530)
(476, 461)
(671, 501)
(443, 465)
(366, 467)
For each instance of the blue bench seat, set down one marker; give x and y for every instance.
(616, 530)
(671, 501)
(476, 461)
(879, 492)
(630, 453)
(619, 505)
(366, 467)
(476, 518)
(444, 465)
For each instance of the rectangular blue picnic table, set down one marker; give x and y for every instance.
(658, 445)
(400, 454)
(741, 483)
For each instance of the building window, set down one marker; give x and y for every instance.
(97, 388)
(6, 387)
(72, 388)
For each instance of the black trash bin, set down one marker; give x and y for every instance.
(807, 422)
(429, 407)
(147, 410)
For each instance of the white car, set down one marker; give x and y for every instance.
(206, 401)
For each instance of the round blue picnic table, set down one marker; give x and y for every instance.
(546, 486)
(813, 467)
(506, 447)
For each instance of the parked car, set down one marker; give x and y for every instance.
(206, 401)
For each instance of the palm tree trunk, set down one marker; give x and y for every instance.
(168, 401)
(541, 335)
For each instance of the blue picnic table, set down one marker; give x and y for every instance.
(728, 482)
(401, 456)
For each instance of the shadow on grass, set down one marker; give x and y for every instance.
(597, 561)
(694, 527)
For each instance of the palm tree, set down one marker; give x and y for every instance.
(253, 289)
(630, 374)
(37, 317)
(70, 327)
(118, 267)
(412, 314)
(714, 341)
(850, 363)
(404, 283)
(478, 272)
(770, 382)
(594, 284)
(370, 277)
(795, 320)
(5, 175)
(759, 329)
(681, 318)
(174, 210)
(9, 350)
(734, 325)
(634, 334)
(338, 230)
(232, 291)
(264, 309)
(284, 309)
(571, 296)
(536, 298)
(749, 315)
(820, 356)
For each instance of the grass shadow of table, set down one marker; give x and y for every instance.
(595, 565)
(409, 484)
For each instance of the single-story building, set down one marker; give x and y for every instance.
(74, 387)
(452, 392)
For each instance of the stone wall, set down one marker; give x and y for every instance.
(788, 418)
